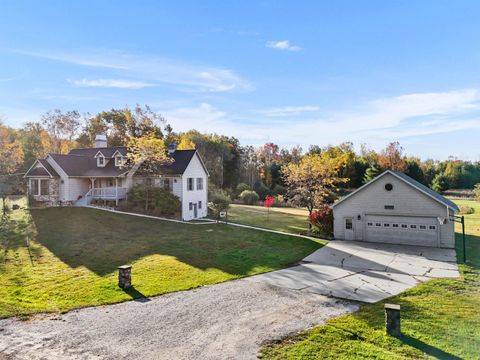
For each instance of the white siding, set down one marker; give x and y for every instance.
(194, 170)
(407, 201)
(77, 187)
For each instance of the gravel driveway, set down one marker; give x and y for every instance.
(223, 321)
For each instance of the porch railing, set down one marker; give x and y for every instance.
(106, 193)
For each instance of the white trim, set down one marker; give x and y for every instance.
(201, 161)
(37, 161)
(115, 153)
(95, 154)
(398, 177)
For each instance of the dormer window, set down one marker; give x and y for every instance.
(101, 161)
(118, 160)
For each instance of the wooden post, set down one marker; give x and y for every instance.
(116, 191)
(125, 276)
(392, 320)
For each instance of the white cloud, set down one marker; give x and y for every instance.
(283, 45)
(288, 110)
(110, 83)
(162, 71)
(204, 117)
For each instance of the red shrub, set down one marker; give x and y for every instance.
(322, 220)
(269, 201)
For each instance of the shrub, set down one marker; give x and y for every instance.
(153, 199)
(219, 201)
(279, 190)
(476, 191)
(322, 220)
(241, 188)
(262, 190)
(249, 197)
(466, 210)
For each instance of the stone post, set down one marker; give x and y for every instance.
(392, 320)
(125, 276)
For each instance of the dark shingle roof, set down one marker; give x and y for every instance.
(47, 170)
(427, 190)
(79, 165)
(81, 162)
(106, 151)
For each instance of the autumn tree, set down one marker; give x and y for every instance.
(62, 127)
(392, 158)
(36, 142)
(145, 157)
(314, 180)
(11, 158)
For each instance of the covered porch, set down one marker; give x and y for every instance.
(113, 188)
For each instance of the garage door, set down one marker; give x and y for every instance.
(402, 230)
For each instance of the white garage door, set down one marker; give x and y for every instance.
(406, 230)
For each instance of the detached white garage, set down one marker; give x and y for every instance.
(396, 209)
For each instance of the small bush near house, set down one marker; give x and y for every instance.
(152, 200)
(219, 201)
(241, 188)
(322, 221)
(476, 191)
(466, 210)
(249, 197)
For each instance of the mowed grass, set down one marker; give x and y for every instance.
(290, 220)
(440, 319)
(74, 254)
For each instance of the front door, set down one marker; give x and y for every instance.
(195, 214)
(349, 230)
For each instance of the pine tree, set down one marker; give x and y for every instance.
(371, 173)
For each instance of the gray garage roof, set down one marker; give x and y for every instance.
(427, 190)
(407, 179)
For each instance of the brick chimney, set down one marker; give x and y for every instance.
(100, 141)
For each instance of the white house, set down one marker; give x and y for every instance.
(394, 208)
(99, 173)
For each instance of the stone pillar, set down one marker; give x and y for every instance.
(392, 320)
(125, 276)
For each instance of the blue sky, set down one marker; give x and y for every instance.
(291, 72)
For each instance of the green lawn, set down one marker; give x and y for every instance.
(290, 220)
(440, 319)
(74, 254)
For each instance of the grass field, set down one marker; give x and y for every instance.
(440, 319)
(281, 219)
(74, 253)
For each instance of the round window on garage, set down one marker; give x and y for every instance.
(388, 187)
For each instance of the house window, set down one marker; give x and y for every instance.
(348, 224)
(166, 184)
(199, 204)
(432, 227)
(423, 227)
(39, 187)
(388, 187)
(395, 225)
(100, 161)
(378, 224)
(386, 225)
(44, 187)
(190, 206)
(370, 224)
(190, 184)
(199, 183)
(118, 160)
(413, 226)
(389, 207)
(34, 187)
(404, 226)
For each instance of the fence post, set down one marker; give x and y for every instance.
(392, 320)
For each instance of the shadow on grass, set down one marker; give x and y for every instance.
(136, 295)
(428, 349)
(103, 241)
(472, 246)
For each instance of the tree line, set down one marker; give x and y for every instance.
(265, 169)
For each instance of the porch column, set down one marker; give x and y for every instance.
(116, 191)
(92, 180)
